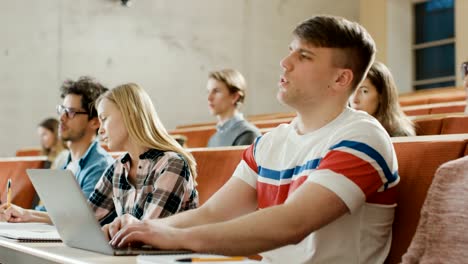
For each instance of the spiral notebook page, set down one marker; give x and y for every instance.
(26, 226)
(32, 235)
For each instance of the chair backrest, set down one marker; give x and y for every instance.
(428, 126)
(272, 123)
(437, 108)
(432, 96)
(441, 124)
(215, 167)
(15, 169)
(270, 116)
(197, 137)
(418, 159)
(27, 152)
(450, 107)
(454, 125)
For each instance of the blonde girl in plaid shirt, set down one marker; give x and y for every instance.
(155, 177)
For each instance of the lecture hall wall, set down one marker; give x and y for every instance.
(167, 47)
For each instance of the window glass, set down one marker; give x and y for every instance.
(435, 62)
(434, 20)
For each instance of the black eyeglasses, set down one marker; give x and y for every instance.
(464, 69)
(69, 111)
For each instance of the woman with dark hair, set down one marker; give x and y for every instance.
(378, 96)
(52, 146)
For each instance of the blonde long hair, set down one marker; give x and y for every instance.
(142, 121)
(389, 112)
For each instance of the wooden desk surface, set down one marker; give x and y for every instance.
(15, 252)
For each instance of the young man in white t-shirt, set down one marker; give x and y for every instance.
(319, 190)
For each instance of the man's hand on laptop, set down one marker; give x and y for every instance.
(14, 214)
(111, 229)
(148, 232)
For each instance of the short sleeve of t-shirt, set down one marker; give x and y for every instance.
(247, 169)
(360, 163)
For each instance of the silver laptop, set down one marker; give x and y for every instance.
(73, 217)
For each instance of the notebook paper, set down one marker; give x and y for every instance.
(26, 226)
(31, 235)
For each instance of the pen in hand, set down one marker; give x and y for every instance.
(9, 193)
(213, 259)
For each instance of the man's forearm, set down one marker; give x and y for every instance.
(190, 218)
(247, 235)
(303, 213)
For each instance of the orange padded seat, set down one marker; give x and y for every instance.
(455, 108)
(197, 137)
(428, 126)
(455, 125)
(28, 152)
(215, 167)
(22, 189)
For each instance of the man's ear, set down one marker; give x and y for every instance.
(344, 79)
(94, 123)
(235, 98)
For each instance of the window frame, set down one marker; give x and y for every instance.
(437, 43)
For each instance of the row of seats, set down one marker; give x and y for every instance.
(198, 136)
(15, 169)
(437, 124)
(441, 124)
(255, 119)
(436, 108)
(433, 96)
(432, 99)
(418, 159)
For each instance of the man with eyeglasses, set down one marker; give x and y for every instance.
(78, 126)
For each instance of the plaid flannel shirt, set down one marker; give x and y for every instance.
(164, 186)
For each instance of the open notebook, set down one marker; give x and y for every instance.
(29, 232)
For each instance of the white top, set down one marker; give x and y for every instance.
(73, 166)
(60, 160)
(352, 156)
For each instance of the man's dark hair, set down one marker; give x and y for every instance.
(358, 47)
(88, 88)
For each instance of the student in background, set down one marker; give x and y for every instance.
(78, 125)
(318, 190)
(226, 93)
(464, 69)
(52, 146)
(378, 96)
(156, 176)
